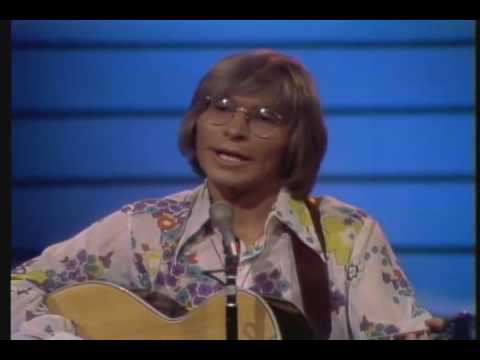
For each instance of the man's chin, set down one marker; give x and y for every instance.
(232, 183)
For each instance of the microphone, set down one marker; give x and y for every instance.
(221, 215)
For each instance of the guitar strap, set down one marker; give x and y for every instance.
(313, 277)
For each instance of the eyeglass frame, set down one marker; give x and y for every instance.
(247, 113)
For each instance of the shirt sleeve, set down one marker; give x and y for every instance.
(381, 299)
(100, 252)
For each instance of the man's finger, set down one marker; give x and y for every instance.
(436, 324)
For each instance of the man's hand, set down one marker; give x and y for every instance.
(436, 324)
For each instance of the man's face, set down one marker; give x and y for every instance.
(234, 157)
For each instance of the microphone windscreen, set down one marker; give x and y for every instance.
(221, 215)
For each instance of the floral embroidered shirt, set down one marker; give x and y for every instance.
(168, 246)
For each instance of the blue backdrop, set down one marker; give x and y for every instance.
(97, 105)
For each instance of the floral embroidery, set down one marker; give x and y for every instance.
(161, 208)
(169, 240)
(170, 216)
(252, 250)
(39, 310)
(398, 281)
(366, 256)
(171, 281)
(160, 280)
(38, 277)
(386, 257)
(301, 212)
(393, 276)
(337, 300)
(139, 205)
(178, 269)
(169, 213)
(194, 271)
(197, 291)
(184, 298)
(371, 329)
(166, 221)
(22, 268)
(151, 260)
(21, 292)
(48, 329)
(80, 268)
(184, 279)
(185, 282)
(270, 283)
(143, 275)
(352, 214)
(29, 315)
(336, 241)
(192, 258)
(417, 310)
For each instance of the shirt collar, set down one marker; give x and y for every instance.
(291, 212)
(296, 215)
(200, 207)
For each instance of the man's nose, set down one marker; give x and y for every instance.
(238, 124)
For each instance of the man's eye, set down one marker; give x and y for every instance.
(266, 115)
(223, 104)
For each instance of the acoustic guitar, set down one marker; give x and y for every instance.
(105, 311)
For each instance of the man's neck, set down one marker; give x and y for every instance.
(250, 209)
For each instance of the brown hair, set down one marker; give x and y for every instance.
(290, 90)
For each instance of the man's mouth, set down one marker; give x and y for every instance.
(231, 156)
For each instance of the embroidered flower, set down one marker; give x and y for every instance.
(205, 290)
(160, 279)
(192, 259)
(192, 289)
(417, 310)
(398, 282)
(300, 210)
(166, 221)
(275, 274)
(171, 280)
(151, 261)
(197, 300)
(80, 267)
(271, 283)
(337, 237)
(338, 300)
(48, 329)
(183, 297)
(371, 329)
(178, 269)
(82, 256)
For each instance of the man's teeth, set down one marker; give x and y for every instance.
(229, 157)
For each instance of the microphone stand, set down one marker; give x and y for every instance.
(231, 266)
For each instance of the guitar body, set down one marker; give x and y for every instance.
(106, 311)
